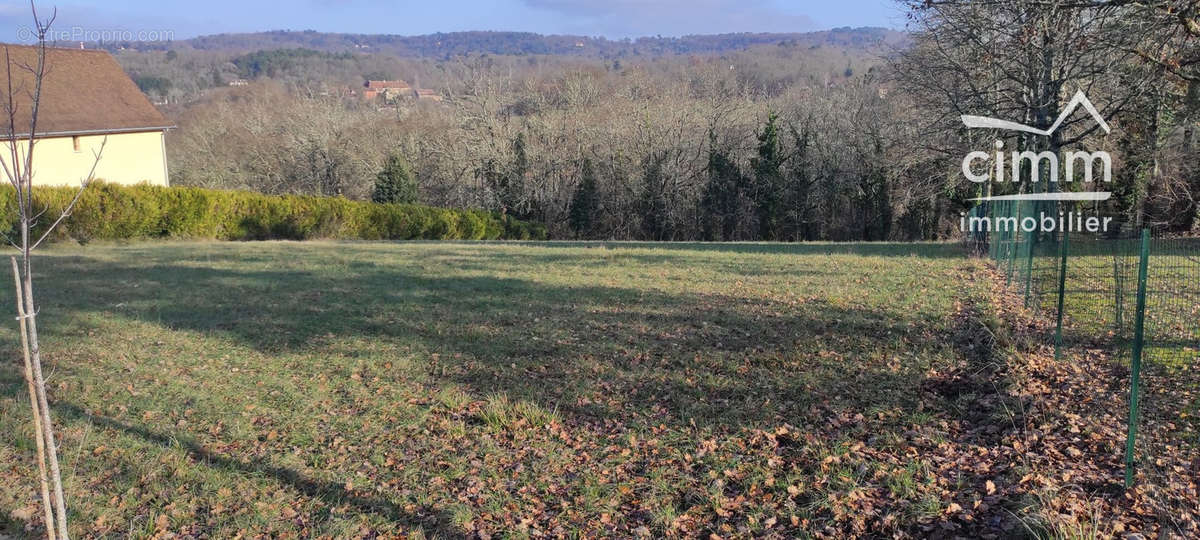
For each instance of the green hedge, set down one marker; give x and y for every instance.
(113, 212)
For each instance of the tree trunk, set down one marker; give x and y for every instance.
(39, 381)
(34, 404)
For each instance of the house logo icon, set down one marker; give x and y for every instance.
(1037, 159)
(1076, 101)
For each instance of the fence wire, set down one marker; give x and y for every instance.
(1087, 282)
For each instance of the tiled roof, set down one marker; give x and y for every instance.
(83, 91)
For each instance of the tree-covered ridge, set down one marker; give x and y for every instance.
(272, 63)
(782, 141)
(442, 44)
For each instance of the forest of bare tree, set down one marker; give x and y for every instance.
(846, 137)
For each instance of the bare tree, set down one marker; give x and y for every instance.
(1019, 60)
(23, 98)
(1171, 56)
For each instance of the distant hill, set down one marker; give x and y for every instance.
(442, 45)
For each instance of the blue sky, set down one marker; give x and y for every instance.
(611, 18)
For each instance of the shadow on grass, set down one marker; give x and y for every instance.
(617, 357)
(680, 357)
(330, 493)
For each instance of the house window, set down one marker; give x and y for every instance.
(75, 143)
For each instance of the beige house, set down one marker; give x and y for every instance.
(86, 101)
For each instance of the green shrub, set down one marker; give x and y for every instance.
(395, 183)
(113, 212)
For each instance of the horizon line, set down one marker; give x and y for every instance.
(187, 36)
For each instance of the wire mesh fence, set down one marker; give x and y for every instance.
(1111, 287)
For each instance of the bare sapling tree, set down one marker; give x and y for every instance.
(25, 76)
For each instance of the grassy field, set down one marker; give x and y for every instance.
(457, 389)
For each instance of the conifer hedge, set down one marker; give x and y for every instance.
(115, 212)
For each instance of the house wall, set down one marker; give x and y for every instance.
(128, 158)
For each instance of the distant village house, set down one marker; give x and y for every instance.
(86, 99)
(396, 90)
(386, 89)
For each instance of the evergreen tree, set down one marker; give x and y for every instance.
(722, 195)
(489, 173)
(797, 206)
(655, 224)
(584, 203)
(395, 183)
(768, 181)
(874, 194)
(877, 206)
(512, 196)
(508, 182)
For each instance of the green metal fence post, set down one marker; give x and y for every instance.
(1030, 241)
(1135, 365)
(1062, 289)
(1012, 245)
(1118, 293)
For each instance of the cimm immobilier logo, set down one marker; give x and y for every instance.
(1088, 160)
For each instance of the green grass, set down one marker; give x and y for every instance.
(1101, 293)
(344, 389)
